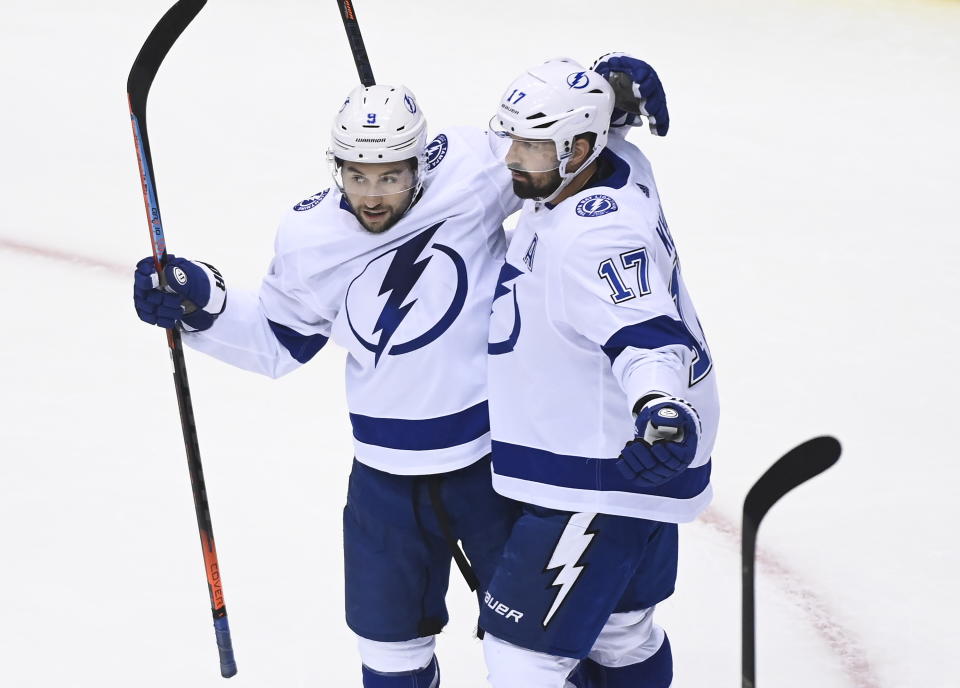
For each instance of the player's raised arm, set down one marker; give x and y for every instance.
(271, 332)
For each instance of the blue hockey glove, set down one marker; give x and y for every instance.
(194, 294)
(666, 443)
(638, 92)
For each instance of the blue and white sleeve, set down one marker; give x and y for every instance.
(614, 295)
(271, 332)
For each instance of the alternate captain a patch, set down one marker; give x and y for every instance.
(531, 253)
(596, 205)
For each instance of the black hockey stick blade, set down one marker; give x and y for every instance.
(155, 49)
(142, 73)
(794, 468)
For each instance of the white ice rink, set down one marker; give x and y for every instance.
(808, 180)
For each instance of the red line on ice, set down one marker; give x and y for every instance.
(839, 639)
(64, 256)
(852, 656)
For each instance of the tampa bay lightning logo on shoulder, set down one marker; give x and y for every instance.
(311, 202)
(578, 80)
(596, 205)
(417, 310)
(437, 151)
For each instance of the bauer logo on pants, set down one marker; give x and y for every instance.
(502, 609)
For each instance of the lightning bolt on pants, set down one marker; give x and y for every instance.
(578, 585)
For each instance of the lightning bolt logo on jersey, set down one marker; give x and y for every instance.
(498, 345)
(410, 305)
(397, 274)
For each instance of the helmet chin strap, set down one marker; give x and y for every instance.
(421, 172)
(418, 189)
(567, 177)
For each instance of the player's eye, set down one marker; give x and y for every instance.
(356, 179)
(389, 179)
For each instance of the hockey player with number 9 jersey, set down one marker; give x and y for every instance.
(397, 264)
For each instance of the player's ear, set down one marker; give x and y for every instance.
(582, 147)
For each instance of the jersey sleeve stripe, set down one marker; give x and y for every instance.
(651, 334)
(424, 434)
(584, 473)
(302, 347)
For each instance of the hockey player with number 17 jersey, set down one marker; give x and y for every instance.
(602, 396)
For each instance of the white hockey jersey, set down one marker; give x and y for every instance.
(410, 305)
(590, 315)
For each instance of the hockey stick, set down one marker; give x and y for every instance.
(794, 468)
(144, 69)
(352, 28)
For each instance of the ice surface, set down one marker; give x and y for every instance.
(808, 179)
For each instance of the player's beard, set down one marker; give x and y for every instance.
(386, 216)
(529, 186)
(379, 225)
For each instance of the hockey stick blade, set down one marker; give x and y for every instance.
(156, 47)
(142, 73)
(794, 468)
